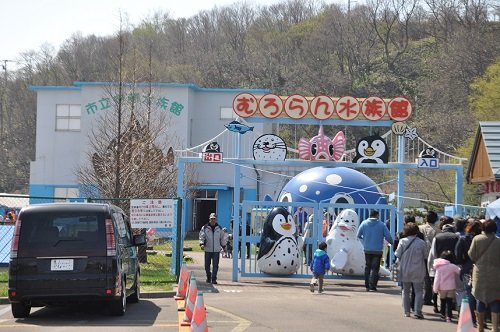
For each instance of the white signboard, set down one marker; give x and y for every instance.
(152, 213)
(428, 162)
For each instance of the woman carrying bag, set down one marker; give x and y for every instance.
(411, 253)
(485, 253)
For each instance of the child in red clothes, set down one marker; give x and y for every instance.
(445, 283)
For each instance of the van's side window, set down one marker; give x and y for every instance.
(122, 228)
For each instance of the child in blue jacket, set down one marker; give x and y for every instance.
(319, 266)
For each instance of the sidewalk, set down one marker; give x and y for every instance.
(285, 304)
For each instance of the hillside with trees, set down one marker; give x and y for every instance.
(442, 55)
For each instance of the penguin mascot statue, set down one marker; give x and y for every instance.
(279, 249)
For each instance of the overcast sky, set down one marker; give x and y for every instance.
(27, 24)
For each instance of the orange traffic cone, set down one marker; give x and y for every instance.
(190, 302)
(199, 321)
(182, 286)
(465, 323)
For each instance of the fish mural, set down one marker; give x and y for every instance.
(237, 127)
(320, 147)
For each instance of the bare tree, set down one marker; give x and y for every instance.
(391, 21)
(131, 150)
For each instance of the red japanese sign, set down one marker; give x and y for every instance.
(399, 109)
(348, 108)
(296, 106)
(373, 108)
(211, 157)
(245, 105)
(322, 107)
(270, 106)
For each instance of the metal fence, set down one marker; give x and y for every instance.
(245, 252)
(155, 258)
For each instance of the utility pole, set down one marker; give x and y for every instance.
(349, 7)
(3, 102)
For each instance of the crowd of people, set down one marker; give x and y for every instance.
(449, 259)
(440, 262)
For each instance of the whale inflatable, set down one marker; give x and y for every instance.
(333, 185)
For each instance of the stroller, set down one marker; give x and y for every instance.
(228, 249)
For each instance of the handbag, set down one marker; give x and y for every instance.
(395, 271)
(395, 267)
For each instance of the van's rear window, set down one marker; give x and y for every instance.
(62, 233)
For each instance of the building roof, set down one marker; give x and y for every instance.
(484, 164)
(194, 87)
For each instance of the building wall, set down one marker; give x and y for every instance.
(60, 153)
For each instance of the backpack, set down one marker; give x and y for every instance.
(429, 234)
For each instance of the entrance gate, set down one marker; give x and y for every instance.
(254, 214)
(404, 151)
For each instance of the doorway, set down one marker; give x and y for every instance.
(202, 209)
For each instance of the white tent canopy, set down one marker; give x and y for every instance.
(493, 209)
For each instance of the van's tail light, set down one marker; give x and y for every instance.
(110, 238)
(15, 239)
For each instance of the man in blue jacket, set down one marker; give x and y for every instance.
(372, 233)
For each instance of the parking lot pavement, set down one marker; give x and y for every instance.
(285, 304)
(251, 304)
(147, 315)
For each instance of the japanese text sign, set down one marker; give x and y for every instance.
(152, 213)
(347, 108)
(211, 157)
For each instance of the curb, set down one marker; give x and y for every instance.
(148, 295)
(157, 295)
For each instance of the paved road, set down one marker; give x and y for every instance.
(148, 315)
(251, 304)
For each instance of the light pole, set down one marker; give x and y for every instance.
(3, 103)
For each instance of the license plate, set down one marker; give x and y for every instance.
(61, 265)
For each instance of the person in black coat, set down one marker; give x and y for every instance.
(446, 240)
(472, 229)
(247, 233)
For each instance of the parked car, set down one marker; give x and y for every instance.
(73, 252)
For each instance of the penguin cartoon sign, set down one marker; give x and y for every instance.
(212, 153)
(372, 149)
(279, 244)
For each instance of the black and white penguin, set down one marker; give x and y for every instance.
(428, 153)
(279, 244)
(371, 149)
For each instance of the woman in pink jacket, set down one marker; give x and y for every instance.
(445, 282)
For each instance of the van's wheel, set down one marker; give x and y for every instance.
(20, 310)
(118, 307)
(136, 290)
